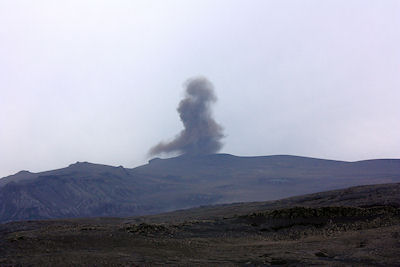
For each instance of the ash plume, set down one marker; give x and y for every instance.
(201, 134)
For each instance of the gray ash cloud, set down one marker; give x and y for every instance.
(201, 133)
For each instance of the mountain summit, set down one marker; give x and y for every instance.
(85, 189)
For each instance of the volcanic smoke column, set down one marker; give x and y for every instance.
(202, 135)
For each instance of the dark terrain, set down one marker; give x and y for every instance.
(92, 190)
(358, 226)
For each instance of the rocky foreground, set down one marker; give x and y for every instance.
(358, 226)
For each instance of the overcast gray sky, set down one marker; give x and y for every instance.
(100, 81)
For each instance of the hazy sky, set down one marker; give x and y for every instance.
(100, 81)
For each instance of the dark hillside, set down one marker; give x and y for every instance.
(88, 190)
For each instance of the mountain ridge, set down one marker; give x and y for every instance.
(25, 174)
(88, 190)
